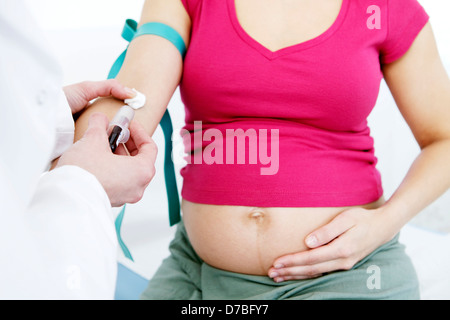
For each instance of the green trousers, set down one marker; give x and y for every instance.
(387, 273)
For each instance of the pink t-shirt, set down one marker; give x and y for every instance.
(303, 109)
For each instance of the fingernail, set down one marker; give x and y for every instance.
(311, 241)
(131, 92)
(273, 274)
(278, 280)
(279, 266)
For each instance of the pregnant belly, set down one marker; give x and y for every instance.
(248, 239)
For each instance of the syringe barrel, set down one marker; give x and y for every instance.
(122, 120)
(123, 117)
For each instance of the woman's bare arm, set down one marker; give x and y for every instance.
(421, 89)
(153, 66)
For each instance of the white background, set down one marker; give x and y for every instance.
(86, 38)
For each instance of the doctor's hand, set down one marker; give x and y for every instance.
(79, 95)
(124, 175)
(339, 245)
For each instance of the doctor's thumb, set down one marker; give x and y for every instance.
(98, 126)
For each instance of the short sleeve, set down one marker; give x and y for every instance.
(185, 4)
(406, 18)
(191, 6)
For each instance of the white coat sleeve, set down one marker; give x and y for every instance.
(64, 127)
(65, 246)
(57, 238)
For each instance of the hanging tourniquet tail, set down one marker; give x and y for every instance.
(131, 32)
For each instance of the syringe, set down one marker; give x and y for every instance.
(118, 131)
(118, 128)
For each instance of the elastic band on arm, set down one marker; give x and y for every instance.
(164, 31)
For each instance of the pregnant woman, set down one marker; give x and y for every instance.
(306, 73)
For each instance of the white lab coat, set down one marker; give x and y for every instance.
(57, 238)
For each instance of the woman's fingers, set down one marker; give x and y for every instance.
(322, 242)
(310, 258)
(339, 254)
(342, 223)
(339, 245)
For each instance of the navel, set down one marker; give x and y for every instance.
(257, 215)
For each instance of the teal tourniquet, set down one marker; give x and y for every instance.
(131, 32)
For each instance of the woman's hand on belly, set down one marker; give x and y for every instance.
(338, 245)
